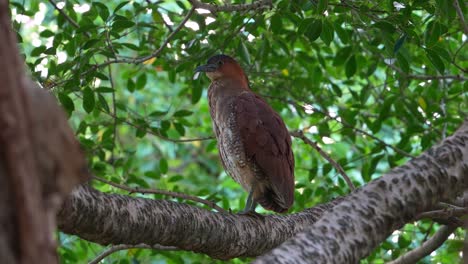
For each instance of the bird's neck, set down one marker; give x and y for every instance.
(223, 90)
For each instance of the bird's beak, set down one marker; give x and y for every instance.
(206, 68)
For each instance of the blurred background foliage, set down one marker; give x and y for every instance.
(372, 82)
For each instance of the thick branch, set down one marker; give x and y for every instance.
(427, 247)
(119, 219)
(353, 228)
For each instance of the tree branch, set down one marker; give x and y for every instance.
(255, 5)
(336, 165)
(353, 228)
(461, 18)
(427, 247)
(119, 219)
(163, 192)
(116, 248)
(67, 17)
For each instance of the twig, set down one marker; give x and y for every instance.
(67, 17)
(136, 60)
(444, 213)
(427, 247)
(116, 248)
(125, 121)
(300, 134)
(262, 4)
(456, 4)
(163, 192)
(114, 110)
(346, 124)
(157, 52)
(457, 77)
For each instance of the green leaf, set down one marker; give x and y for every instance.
(182, 113)
(385, 26)
(102, 9)
(327, 32)
(122, 24)
(104, 90)
(196, 93)
(157, 17)
(130, 85)
(90, 43)
(103, 103)
(141, 81)
(163, 166)
(276, 24)
(435, 60)
(47, 34)
(119, 6)
(399, 43)
(351, 67)
(342, 56)
(314, 30)
(66, 102)
(244, 52)
(180, 129)
(434, 31)
(88, 99)
(38, 51)
(322, 6)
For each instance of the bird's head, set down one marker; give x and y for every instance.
(222, 66)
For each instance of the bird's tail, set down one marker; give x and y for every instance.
(271, 201)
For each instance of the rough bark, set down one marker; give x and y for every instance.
(40, 161)
(120, 219)
(350, 230)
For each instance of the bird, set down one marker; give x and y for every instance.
(253, 141)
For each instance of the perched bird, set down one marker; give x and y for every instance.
(254, 144)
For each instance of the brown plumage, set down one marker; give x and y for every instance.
(254, 144)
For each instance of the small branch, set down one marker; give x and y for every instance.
(68, 18)
(444, 213)
(345, 124)
(300, 134)
(114, 109)
(457, 77)
(427, 247)
(456, 4)
(163, 192)
(116, 248)
(256, 5)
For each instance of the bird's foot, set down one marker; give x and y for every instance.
(251, 213)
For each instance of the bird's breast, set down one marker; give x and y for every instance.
(231, 149)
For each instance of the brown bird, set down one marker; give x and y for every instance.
(254, 144)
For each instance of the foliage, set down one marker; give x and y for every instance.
(373, 84)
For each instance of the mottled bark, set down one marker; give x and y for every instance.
(40, 161)
(353, 228)
(120, 219)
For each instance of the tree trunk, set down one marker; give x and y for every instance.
(40, 160)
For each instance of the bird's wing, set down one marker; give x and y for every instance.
(267, 142)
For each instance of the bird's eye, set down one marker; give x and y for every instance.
(220, 63)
